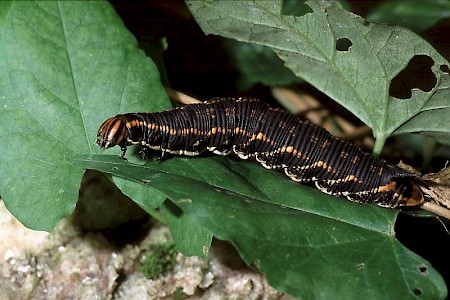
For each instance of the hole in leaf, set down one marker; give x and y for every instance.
(417, 292)
(445, 69)
(295, 8)
(416, 75)
(343, 44)
(423, 269)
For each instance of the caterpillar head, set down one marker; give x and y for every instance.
(112, 132)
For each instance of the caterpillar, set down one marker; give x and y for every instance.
(277, 139)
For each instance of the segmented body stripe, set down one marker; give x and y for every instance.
(276, 138)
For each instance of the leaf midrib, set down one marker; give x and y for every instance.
(74, 82)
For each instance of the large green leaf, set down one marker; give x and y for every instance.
(189, 237)
(308, 244)
(61, 62)
(258, 64)
(358, 77)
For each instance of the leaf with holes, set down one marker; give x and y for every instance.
(350, 59)
(61, 61)
(308, 244)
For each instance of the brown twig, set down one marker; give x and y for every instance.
(306, 105)
(296, 102)
(357, 133)
(180, 97)
(436, 209)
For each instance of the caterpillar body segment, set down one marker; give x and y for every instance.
(277, 139)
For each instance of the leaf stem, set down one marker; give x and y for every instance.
(438, 210)
(379, 144)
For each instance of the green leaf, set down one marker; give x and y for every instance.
(147, 198)
(308, 244)
(259, 64)
(65, 67)
(357, 76)
(190, 238)
(417, 15)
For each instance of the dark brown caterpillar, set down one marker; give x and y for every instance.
(276, 138)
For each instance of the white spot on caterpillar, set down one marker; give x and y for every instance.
(321, 188)
(224, 152)
(240, 154)
(218, 152)
(190, 153)
(292, 176)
